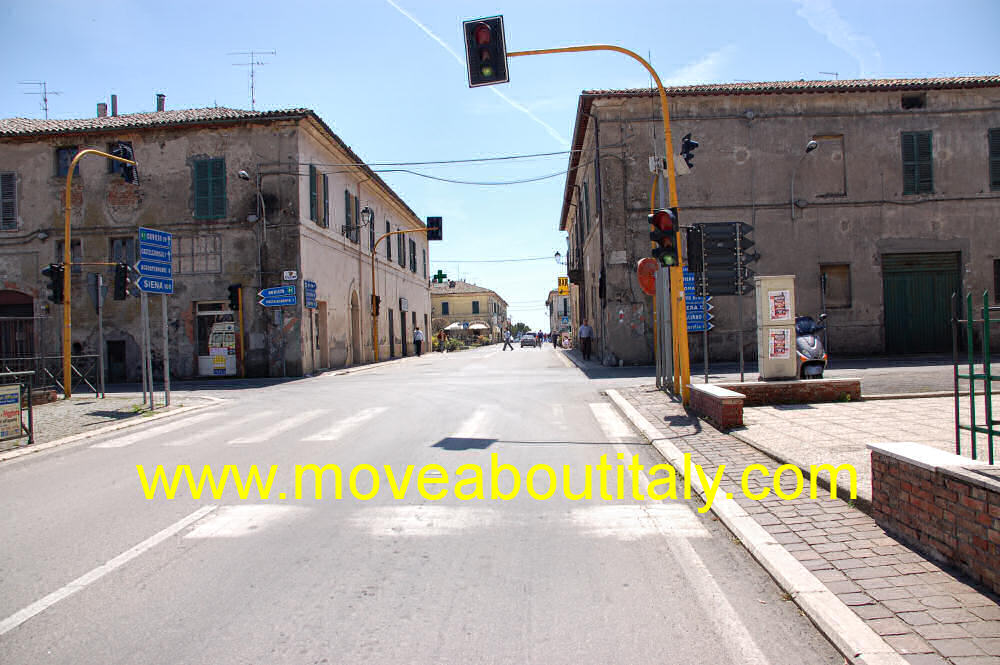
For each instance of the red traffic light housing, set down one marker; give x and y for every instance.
(485, 51)
(663, 233)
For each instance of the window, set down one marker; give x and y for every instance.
(413, 256)
(826, 173)
(114, 166)
(8, 201)
(76, 254)
(444, 308)
(388, 241)
(996, 280)
(918, 177)
(475, 307)
(356, 230)
(835, 280)
(122, 249)
(586, 207)
(995, 159)
(326, 201)
(423, 256)
(197, 254)
(371, 234)
(313, 203)
(917, 101)
(348, 213)
(210, 188)
(64, 157)
(401, 249)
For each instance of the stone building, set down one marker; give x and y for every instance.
(468, 308)
(894, 209)
(560, 315)
(255, 199)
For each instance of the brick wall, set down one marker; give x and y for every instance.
(723, 411)
(761, 393)
(941, 506)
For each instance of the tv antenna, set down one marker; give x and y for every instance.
(43, 91)
(835, 75)
(252, 64)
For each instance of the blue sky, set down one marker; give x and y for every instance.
(388, 77)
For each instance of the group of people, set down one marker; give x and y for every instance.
(585, 333)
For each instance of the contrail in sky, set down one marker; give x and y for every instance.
(548, 128)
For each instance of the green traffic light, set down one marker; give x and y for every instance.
(486, 71)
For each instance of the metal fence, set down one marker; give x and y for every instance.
(988, 424)
(49, 371)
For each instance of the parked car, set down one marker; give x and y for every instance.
(528, 339)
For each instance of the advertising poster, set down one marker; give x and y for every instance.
(778, 343)
(780, 304)
(10, 412)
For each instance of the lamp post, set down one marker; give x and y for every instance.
(812, 145)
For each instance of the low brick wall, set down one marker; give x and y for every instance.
(719, 406)
(945, 506)
(806, 391)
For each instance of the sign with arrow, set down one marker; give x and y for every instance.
(155, 267)
(309, 293)
(273, 291)
(278, 301)
(155, 284)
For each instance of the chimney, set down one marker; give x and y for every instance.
(161, 102)
(114, 105)
(102, 110)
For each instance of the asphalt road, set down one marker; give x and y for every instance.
(93, 572)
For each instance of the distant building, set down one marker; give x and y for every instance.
(252, 198)
(895, 209)
(468, 309)
(560, 318)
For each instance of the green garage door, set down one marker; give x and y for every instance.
(917, 289)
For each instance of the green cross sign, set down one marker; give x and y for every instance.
(439, 277)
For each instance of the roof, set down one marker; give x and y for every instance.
(30, 127)
(587, 98)
(445, 289)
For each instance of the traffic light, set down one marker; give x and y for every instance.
(664, 234)
(130, 172)
(687, 149)
(55, 273)
(234, 297)
(485, 51)
(434, 228)
(122, 281)
(376, 301)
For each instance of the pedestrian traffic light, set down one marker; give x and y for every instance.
(434, 228)
(55, 272)
(687, 149)
(376, 301)
(122, 281)
(485, 51)
(234, 297)
(664, 234)
(130, 172)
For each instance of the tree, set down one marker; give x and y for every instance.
(520, 328)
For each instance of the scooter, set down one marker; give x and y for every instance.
(809, 349)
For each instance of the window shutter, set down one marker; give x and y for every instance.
(586, 207)
(413, 256)
(401, 250)
(356, 231)
(925, 178)
(388, 241)
(326, 201)
(995, 162)
(347, 212)
(918, 176)
(218, 188)
(8, 201)
(312, 192)
(202, 189)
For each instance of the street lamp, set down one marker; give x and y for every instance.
(812, 145)
(559, 259)
(367, 214)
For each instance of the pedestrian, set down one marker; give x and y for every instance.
(586, 335)
(540, 338)
(555, 340)
(441, 339)
(506, 341)
(418, 339)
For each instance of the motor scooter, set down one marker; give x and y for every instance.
(809, 349)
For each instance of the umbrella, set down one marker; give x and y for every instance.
(455, 326)
(479, 326)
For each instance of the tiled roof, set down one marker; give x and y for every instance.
(445, 288)
(31, 126)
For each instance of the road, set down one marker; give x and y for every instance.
(93, 572)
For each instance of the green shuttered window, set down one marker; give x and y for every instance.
(918, 176)
(8, 202)
(995, 160)
(210, 188)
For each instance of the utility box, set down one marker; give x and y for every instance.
(776, 326)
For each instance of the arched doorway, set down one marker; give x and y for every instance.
(17, 325)
(355, 329)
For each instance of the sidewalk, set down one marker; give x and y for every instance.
(874, 598)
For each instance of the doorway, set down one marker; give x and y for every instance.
(402, 331)
(116, 361)
(392, 337)
(917, 290)
(323, 341)
(355, 329)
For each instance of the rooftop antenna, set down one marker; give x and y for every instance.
(42, 91)
(835, 75)
(253, 64)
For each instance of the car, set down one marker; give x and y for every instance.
(528, 339)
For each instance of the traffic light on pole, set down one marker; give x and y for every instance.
(485, 51)
(687, 149)
(663, 232)
(234, 297)
(54, 271)
(376, 301)
(122, 281)
(434, 228)
(130, 172)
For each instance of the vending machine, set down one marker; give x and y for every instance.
(776, 326)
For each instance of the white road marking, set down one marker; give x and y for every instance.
(422, 520)
(635, 521)
(613, 425)
(339, 428)
(216, 430)
(80, 583)
(283, 425)
(472, 427)
(242, 520)
(145, 434)
(559, 417)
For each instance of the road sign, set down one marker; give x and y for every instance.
(155, 284)
(309, 293)
(563, 286)
(154, 238)
(154, 253)
(277, 291)
(278, 301)
(154, 268)
(700, 326)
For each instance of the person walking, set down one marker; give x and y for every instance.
(441, 338)
(506, 341)
(418, 339)
(586, 334)
(555, 340)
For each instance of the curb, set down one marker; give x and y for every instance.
(48, 445)
(846, 630)
(940, 393)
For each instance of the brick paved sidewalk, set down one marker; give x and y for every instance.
(924, 612)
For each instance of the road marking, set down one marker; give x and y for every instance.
(242, 520)
(422, 520)
(287, 423)
(635, 521)
(145, 434)
(615, 428)
(338, 429)
(80, 583)
(216, 430)
(472, 427)
(559, 417)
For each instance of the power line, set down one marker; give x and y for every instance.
(533, 258)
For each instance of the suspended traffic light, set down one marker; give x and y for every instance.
(485, 51)
(434, 228)
(130, 172)
(122, 281)
(664, 234)
(55, 272)
(234, 297)
(687, 149)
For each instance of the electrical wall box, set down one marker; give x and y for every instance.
(775, 299)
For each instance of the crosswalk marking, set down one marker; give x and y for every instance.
(614, 427)
(242, 520)
(472, 427)
(228, 423)
(145, 434)
(339, 428)
(283, 425)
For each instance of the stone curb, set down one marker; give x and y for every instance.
(41, 447)
(846, 630)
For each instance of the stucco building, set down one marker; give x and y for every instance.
(465, 306)
(895, 208)
(255, 199)
(560, 313)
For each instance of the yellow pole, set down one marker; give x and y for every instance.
(67, 269)
(374, 247)
(682, 367)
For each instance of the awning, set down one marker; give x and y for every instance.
(455, 326)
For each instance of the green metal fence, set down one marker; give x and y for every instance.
(988, 426)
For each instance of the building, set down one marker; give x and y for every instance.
(894, 209)
(560, 317)
(254, 199)
(458, 306)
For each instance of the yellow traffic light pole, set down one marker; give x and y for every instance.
(67, 268)
(374, 257)
(682, 368)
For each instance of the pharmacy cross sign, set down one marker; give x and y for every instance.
(439, 277)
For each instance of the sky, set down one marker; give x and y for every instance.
(389, 78)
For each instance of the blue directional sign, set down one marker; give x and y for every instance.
(155, 284)
(154, 238)
(273, 291)
(154, 268)
(309, 293)
(700, 326)
(278, 301)
(154, 253)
